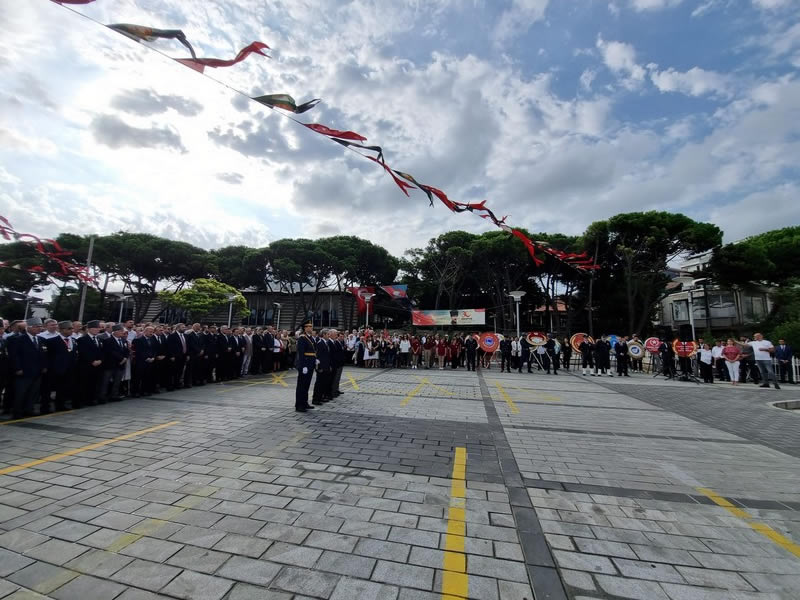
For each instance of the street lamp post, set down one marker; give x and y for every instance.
(122, 302)
(231, 299)
(85, 285)
(517, 296)
(367, 297)
(278, 320)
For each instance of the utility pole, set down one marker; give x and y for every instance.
(86, 285)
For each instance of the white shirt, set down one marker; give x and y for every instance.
(405, 345)
(276, 345)
(515, 347)
(46, 335)
(716, 352)
(706, 356)
(760, 349)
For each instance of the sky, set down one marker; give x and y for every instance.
(558, 113)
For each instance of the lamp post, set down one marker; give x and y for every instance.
(231, 299)
(517, 296)
(122, 302)
(278, 320)
(85, 285)
(367, 297)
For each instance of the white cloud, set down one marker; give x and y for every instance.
(587, 77)
(771, 4)
(472, 121)
(694, 82)
(518, 19)
(643, 5)
(620, 58)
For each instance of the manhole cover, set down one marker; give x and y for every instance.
(793, 405)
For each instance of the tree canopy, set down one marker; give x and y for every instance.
(203, 297)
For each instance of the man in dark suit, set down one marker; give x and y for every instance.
(621, 351)
(784, 354)
(179, 357)
(471, 350)
(210, 354)
(161, 371)
(115, 357)
(258, 351)
(143, 377)
(62, 364)
(322, 384)
(505, 355)
(27, 356)
(196, 354)
(90, 366)
(269, 344)
(341, 359)
(334, 349)
(226, 348)
(239, 348)
(6, 372)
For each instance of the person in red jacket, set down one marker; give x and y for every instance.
(455, 352)
(442, 347)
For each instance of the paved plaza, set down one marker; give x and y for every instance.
(413, 485)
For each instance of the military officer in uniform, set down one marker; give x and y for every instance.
(305, 363)
(322, 384)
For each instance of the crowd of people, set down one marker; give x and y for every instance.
(735, 360)
(71, 364)
(372, 349)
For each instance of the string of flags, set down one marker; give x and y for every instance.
(50, 249)
(349, 139)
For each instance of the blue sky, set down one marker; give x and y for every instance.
(559, 113)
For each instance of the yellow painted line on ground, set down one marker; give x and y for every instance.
(60, 412)
(414, 392)
(352, 382)
(507, 398)
(455, 581)
(275, 379)
(74, 451)
(765, 530)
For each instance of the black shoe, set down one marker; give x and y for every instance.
(309, 407)
(777, 387)
(300, 409)
(764, 385)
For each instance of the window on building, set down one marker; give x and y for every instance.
(721, 305)
(680, 310)
(754, 307)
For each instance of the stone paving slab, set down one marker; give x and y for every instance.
(576, 488)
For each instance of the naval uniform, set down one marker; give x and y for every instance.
(305, 363)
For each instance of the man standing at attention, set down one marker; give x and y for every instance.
(305, 363)
(784, 355)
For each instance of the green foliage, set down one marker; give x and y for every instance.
(204, 297)
(19, 279)
(66, 303)
(789, 331)
(772, 257)
(242, 267)
(635, 250)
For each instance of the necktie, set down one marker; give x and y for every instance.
(183, 342)
(67, 344)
